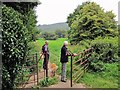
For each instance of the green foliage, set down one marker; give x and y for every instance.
(19, 28)
(14, 44)
(89, 21)
(105, 51)
(22, 7)
(21, 77)
(51, 81)
(49, 36)
(28, 16)
(33, 31)
(33, 47)
(61, 33)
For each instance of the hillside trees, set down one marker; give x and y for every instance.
(49, 36)
(89, 21)
(61, 33)
(18, 23)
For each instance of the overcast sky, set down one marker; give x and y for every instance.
(55, 11)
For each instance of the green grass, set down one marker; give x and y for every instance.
(106, 79)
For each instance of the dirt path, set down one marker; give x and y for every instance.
(31, 82)
(66, 85)
(60, 84)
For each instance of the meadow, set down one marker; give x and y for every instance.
(105, 79)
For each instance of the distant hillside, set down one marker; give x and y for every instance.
(53, 27)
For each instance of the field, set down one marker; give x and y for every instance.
(105, 79)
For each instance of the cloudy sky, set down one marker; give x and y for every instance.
(55, 11)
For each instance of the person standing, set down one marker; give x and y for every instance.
(45, 51)
(64, 59)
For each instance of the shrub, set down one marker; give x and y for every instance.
(105, 51)
(13, 45)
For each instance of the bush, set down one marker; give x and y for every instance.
(105, 51)
(13, 45)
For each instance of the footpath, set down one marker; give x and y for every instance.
(60, 84)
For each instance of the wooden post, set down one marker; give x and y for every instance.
(37, 67)
(71, 72)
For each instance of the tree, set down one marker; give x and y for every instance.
(49, 36)
(28, 15)
(89, 21)
(60, 33)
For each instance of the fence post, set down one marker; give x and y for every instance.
(37, 67)
(71, 72)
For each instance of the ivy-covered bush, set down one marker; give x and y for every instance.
(19, 28)
(14, 43)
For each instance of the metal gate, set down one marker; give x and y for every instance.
(79, 66)
(34, 58)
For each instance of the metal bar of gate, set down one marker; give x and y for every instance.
(37, 67)
(46, 67)
(71, 71)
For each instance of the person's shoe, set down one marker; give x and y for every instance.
(63, 80)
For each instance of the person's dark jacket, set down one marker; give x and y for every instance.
(43, 49)
(64, 57)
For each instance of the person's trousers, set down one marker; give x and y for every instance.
(63, 74)
(45, 63)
